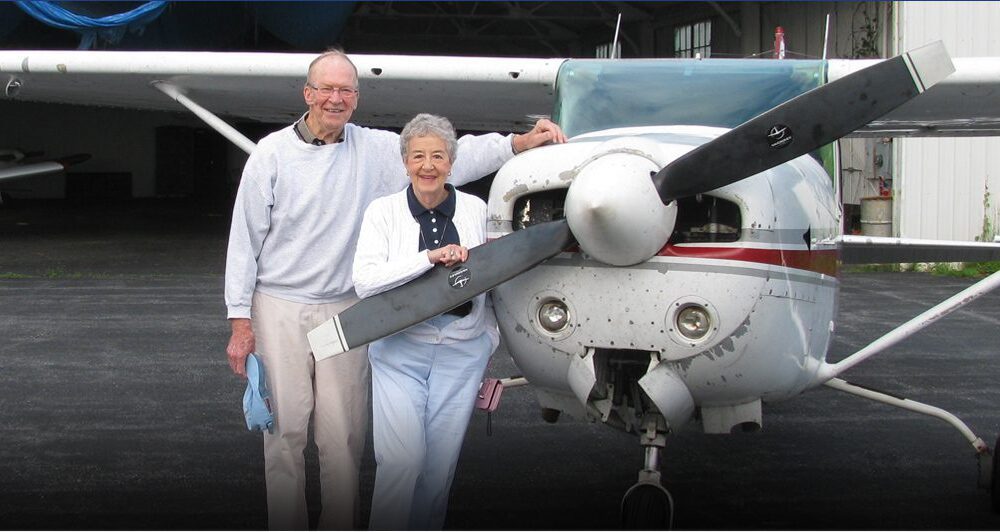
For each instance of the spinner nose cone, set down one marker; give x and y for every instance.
(614, 211)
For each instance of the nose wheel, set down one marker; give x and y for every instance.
(647, 505)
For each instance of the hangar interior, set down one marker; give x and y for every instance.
(136, 154)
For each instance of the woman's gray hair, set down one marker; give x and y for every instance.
(428, 125)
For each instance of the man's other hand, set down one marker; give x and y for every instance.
(241, 344)
(544, 132)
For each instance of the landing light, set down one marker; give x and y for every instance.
(694, 322)
(553, 316)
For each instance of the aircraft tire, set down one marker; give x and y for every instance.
(647, 506)
(995, 479)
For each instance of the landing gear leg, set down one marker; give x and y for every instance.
(647, 505)
(995, 477)
(989, 468)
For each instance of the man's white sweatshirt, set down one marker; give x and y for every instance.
(299, 207)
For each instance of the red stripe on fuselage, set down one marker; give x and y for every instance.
(819, 261)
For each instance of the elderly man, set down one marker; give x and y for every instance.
(291, 246)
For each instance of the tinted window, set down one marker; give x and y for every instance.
(599, 94)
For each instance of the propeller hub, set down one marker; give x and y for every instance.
(614, 210)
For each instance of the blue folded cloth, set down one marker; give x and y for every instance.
(257, 399)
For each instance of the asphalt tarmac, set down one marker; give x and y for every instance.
(120, 412)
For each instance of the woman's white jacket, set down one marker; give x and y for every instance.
(387, 257)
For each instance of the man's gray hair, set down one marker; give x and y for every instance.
(427, 125)
(328, 54)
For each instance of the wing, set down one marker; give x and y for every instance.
(479, 94)
(856, 249)
(966, 103)
(41, 167)
(476, 93)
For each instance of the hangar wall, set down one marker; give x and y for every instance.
(947, 187)
(134, 154)
(61, 130)
(856, 30)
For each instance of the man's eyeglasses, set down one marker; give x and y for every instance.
(326, 92)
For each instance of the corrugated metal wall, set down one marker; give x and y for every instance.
(948, 188)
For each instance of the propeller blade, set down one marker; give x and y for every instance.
(440, 289)
(804, 123)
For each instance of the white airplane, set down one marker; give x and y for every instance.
(676, 260)
(16, 164)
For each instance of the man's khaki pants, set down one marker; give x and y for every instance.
(334, 391)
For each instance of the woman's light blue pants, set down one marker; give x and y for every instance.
(422, 398)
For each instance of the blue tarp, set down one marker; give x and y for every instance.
(111, 28)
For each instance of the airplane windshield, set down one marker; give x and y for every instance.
(599, 94)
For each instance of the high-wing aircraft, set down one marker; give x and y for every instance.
(17, 164)
(677, 260)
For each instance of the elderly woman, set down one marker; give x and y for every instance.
(424, 379)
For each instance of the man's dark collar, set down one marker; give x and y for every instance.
(446, 207)
(302, 130)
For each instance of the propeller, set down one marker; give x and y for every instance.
(794, 128)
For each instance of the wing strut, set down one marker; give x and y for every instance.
(904, 331)
(827, 375)
(213, 121)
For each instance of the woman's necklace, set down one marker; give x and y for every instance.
(424, 241)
